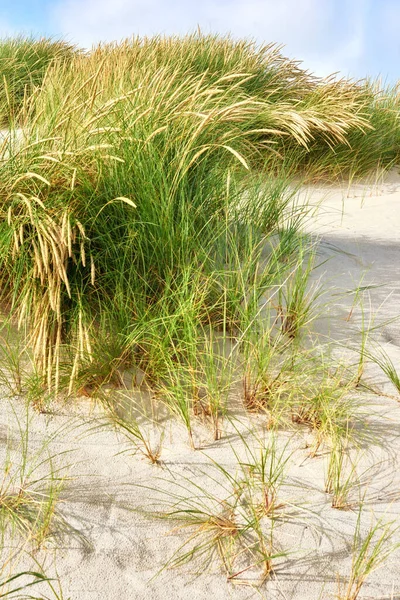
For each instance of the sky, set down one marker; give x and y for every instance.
(356, 38)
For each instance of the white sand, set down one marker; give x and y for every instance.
(115, 552)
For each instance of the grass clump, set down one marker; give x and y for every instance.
(133, 206)
(92, 245)
(24, 62)
(136, 232)
(124, 416)
(30, 488)
(148, 227)
(222, 516)
(341, 477)
(370, 551)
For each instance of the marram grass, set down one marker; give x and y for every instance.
(23, 65)
(133, 217)
(147, 225)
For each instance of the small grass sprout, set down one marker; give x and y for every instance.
(30, 489)
(264, 470)
(369, 553)
(217, 510)
(382, 359)
(341, 477)
(122, 416)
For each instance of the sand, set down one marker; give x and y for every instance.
(110, 550)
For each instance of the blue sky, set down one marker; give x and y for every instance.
(354, 37)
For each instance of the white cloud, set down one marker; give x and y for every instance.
(91, 20)
(304, 26)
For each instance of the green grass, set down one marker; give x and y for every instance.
(149, 226)
(225, 515)
(14, 586)
(369, 553)
(341, 477)
(23, 65)
(30, 486)
(86, 261)
(134, 203)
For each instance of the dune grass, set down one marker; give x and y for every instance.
(111, 246)
(30, 486)
(134, 205)
(227, 515)
(148, 226)
(23, 65)
(13, 584)
(138, 228)
(369, 553)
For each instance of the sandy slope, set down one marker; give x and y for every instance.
(112, 551)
